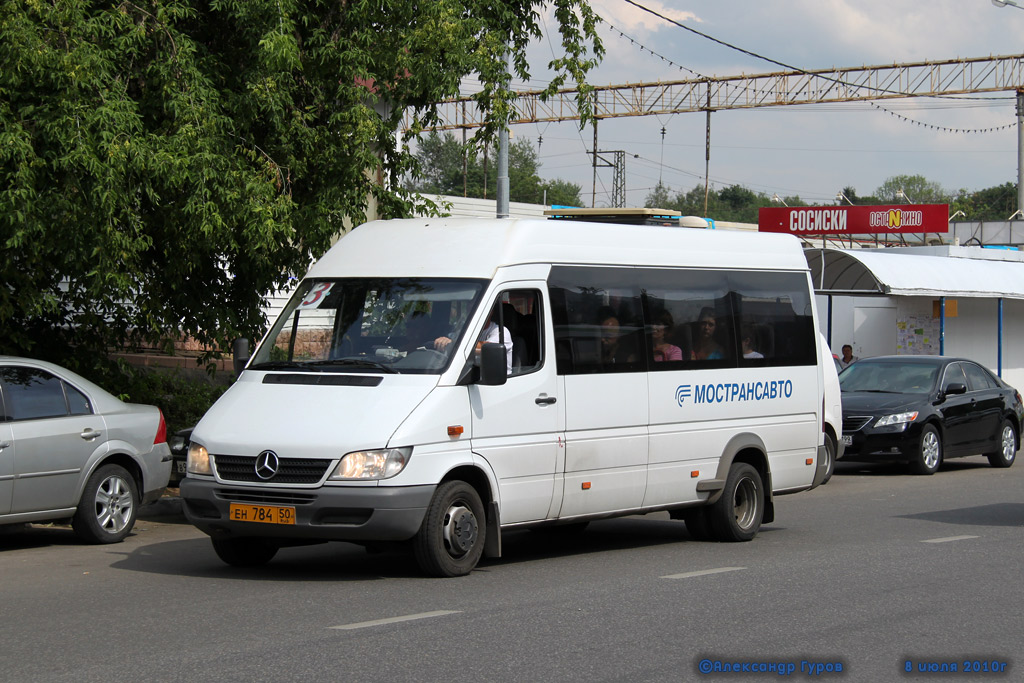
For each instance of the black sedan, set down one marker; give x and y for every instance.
(923, 409)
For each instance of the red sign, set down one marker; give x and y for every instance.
(854, 220)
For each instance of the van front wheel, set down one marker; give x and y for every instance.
(451, 538)
(737, 514)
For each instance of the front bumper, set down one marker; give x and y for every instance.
(327, 513)
(871, 445)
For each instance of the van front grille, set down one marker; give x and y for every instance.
(289, 471)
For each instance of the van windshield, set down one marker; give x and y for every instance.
(370, 325)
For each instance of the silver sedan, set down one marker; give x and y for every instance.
(70, 450)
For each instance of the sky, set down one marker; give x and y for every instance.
(810, 151)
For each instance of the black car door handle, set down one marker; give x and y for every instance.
(544, 400)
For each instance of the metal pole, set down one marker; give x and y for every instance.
(1020, 150)
(942, 326)
(707, 152)
(828, 333)
(501, 193)
(999, 352)
(593, 191)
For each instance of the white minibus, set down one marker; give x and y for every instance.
(438, 381)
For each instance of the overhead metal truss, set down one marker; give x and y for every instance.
(919, 79)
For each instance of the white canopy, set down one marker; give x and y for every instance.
(895, 272)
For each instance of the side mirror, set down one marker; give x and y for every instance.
(955, 388)
(240, 353)
(493, 364)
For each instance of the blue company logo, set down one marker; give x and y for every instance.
(730, 392)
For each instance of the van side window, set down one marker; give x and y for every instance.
(773, 312)
(598, 320)
(522, 315)
(689, 318)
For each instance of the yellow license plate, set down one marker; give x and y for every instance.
(265, 514)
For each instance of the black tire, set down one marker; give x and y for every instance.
(737, 514)
(451, 539)
(929, 451)
(830, 453)
(1007, 441)
(245, 552)
(108, 507)
(696, 520)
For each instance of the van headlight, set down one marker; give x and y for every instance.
(378, 464)
(898, 420)
(198, 460)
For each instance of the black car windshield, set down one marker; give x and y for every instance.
(369, 325)
(889, 377)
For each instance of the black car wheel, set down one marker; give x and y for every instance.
(1007, 452)
(929, 451)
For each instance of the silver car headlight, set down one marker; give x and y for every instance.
(897, 419)
(376, 464)
(198, 460)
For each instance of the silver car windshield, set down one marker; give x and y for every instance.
(370, 325)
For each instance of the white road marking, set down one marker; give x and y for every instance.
(947, 539)
(394, 620)
(703, 572)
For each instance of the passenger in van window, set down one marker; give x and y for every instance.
(747, 339)
(704, 345)
(660, 330)
(613, 350)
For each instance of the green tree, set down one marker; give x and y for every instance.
(167, 163)
(442, 159)
(917, 189)
(561, 193)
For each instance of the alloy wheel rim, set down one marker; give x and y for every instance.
(930, 450)
(113, 505)
(1009, 445)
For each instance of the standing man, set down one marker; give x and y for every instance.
(847, 356)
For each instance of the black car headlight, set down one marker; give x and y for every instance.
(897, 420)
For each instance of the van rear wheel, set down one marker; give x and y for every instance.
(737, 514)
(451, 538)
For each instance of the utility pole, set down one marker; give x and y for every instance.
(1020, 150)
(501, 195)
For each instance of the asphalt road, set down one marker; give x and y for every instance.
(877, 571)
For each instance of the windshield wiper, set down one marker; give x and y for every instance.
(355, 362)
(282, 365)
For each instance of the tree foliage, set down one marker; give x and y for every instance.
(168, 163)
(447, 166)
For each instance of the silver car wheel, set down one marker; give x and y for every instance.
(1009, 443)
(114, 504)
(930, 449)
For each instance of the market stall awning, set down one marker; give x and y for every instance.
(866, 272)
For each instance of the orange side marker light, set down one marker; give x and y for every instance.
(455, 430)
